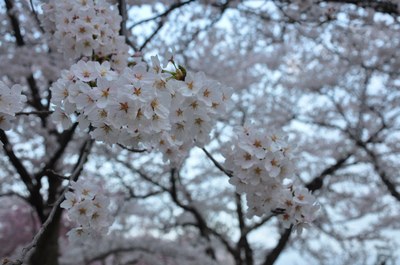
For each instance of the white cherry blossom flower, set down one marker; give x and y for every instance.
(60, 116)
(85, 71)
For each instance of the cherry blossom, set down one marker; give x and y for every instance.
(88, 206)
(262, 162)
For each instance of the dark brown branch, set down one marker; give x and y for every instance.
(224, 241)
(123, 13)
(160, 25)
(52, 173)
(201, 222)
(217, 164)
(63, 140)
(14, 23)
(40, 112)
(274, 254)
(243, 244)
(142, 175)
(379, 170)
(133, 195)
(174, 6)
(259, 224)
(161, 21)
(35, 197)
(387, 7)
(317, 182)
(123, 31)
(116, 251)
(35, 93)
(134, 150)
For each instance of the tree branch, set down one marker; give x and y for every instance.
(40, 112)
(274, 254)
(64, 138)
(14, 23)
(176, 5)
(201, 222)
(243, 244)
(116, 251)
(317, 182)
(134, 150)
(35, 197)
(382, 174)
(160, 24)
(387, 7)
(73, 176)
(218, 165)
(123, 31)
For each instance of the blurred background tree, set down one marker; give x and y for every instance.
(324, 71)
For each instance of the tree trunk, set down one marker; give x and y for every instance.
(46, 250)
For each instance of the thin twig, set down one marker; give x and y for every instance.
(52, 173)
(166, 13)
(132, 149)
(160, 25)
(218, 165)
(41, 112)
(36, 16)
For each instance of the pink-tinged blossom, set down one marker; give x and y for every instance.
(256, 143)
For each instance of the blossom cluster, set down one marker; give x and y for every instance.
(155, 108)
(86, 28)
(262, 162)
(89, 207)
(11, 102)
(299, 207)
